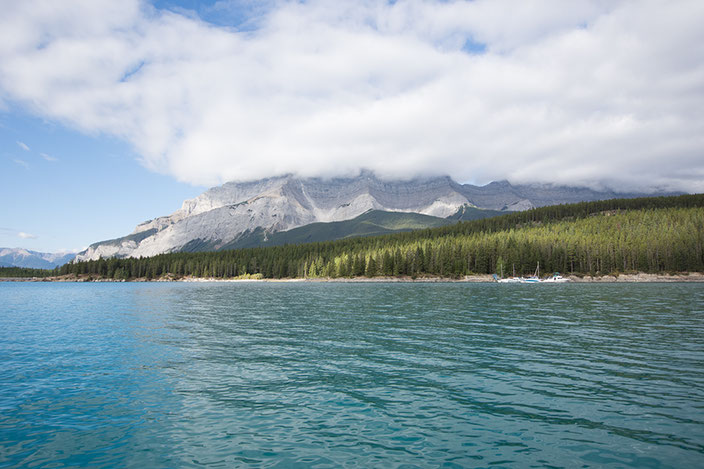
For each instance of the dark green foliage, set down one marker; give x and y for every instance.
(658, 234)
(467, 213)
(22, 272)
(198, 245)
(371, 223)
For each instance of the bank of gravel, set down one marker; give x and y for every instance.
(621, 278)
(640, 278)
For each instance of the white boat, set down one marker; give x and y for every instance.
(513, 279)
(556, 278)
(509, 280)
(535, 278)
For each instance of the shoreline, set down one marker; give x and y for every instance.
(621, 278)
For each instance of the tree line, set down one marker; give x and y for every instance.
(655, 234)
(25, 272)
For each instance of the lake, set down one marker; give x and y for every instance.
(351, 375)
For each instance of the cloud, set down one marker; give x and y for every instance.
(588, 92)
(24, 235)
(48, 157)
(242, 14)
(70, 250)
(22, 145)
(22, 163)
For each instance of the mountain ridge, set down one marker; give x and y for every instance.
(20, 257)
(223, 214)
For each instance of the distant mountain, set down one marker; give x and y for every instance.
(237, 214)
(32, 259)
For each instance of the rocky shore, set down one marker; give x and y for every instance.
(621, 278)
(640, 278)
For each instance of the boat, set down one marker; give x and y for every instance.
(556, 278)
(535, 278)
(507, 280)
(513, 279)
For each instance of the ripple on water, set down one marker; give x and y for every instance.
(363, 375)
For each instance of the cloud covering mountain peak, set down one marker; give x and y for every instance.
(583, 93)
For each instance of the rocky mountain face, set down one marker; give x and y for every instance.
(19, 257)
(223, 214)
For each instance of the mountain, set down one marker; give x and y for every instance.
(467, 213)
(236, 212)
(371, 223)
(32, 259)
(585, 238)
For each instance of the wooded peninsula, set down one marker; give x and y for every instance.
(651, 235)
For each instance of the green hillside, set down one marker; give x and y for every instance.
(24, 272)
(371, 223)
(468, 213)
(657, 234)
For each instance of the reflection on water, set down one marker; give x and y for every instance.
(366, 375)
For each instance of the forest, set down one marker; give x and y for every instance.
(25, 272)
(654, 235)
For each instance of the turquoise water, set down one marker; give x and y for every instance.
(351, 375)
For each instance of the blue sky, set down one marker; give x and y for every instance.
(112, 113)
(65, 190)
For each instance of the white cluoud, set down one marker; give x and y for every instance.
(586, 92)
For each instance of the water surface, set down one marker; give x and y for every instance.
(351, 375)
